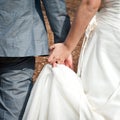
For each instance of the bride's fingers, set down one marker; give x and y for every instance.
(54, 64)
(70, 65)
(60, 62)
(55, 60)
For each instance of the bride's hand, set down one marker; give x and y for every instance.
(59, 53)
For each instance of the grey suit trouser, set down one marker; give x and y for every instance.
(15, 86)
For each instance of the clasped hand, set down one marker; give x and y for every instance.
(60, 54)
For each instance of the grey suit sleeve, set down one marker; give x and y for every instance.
(58, 18)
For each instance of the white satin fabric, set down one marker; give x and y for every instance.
(59, 94)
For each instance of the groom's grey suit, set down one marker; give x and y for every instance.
(23, 35)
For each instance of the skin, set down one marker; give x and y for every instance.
(61, 52)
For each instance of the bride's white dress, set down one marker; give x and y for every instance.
(93, 93)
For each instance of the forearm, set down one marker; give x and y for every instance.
(85, 13)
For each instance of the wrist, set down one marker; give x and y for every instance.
(69, 47)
